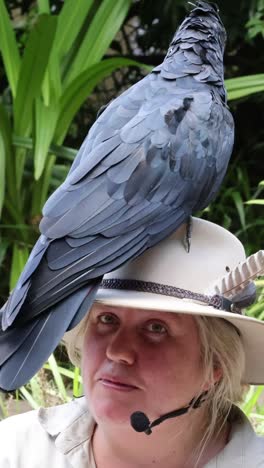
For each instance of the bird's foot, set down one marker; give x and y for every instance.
(188, 235)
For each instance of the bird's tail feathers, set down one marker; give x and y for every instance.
(17, 297)
(25, 349)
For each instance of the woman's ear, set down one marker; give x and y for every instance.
(217, 375)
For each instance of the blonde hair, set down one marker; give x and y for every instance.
(221, 348)
(73, 341)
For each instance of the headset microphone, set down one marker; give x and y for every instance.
(141, 423)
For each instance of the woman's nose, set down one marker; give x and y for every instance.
(121, 347)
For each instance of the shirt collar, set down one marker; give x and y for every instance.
(71, 426)
(240, 451)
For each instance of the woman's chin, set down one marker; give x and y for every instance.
(112, 411)
(112, 405)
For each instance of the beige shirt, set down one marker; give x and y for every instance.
(60, 437)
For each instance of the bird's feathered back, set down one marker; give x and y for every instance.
(157, 153)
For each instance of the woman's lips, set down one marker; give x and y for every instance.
(117, 385)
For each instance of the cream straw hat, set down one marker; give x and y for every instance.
(168, 278)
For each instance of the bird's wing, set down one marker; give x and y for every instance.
(221, 141)
(26, 346)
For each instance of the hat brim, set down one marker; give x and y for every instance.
(251, 330)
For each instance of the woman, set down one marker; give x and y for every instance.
(164, 360)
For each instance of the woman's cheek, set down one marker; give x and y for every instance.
(91, 361)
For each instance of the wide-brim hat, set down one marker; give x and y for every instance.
(202, 281)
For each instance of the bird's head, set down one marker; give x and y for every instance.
(204, 19)
(211, 11)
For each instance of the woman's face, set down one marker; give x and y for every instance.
(138, 360)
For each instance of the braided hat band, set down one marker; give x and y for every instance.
(216, 301)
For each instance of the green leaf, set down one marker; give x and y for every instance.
(247, 80)
(19, 258)
(7, 176)
(40, 190)
(17, 226)
(52, 86)
(68, 373)
(46, 181)
(247, 91)
(5, 155)
(4, 244)
(31, 76)
(77, 387)
(3, 407)
(33, 67)
(240, 207)
(102, 30)
(2, 171)
(20, 158)
(46, 120)
(60, 170)
(256, 311)
(43, 6)
(255, 202)
(57, 377)
(70, 22)
(244, 86)
(36, 390)
(14, 213)
(76, 93)
(9, 49)
(64, 152)
(252, 399)
(29, 398)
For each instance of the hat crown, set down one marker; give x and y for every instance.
(214, 251)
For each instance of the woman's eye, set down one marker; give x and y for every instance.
(156, 327)
(107, 319)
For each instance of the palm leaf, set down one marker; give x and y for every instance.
(32, 72)
(9, 49)
(244, 86)
(102, 30)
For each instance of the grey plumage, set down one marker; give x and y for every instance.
(246, 297)
(155, 154)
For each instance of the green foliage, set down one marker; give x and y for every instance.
(61, 64)
(257, 201)
(9, 49)
(244, 86)
(255, 24)
(253, 407)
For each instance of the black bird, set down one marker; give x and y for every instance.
(155, 155)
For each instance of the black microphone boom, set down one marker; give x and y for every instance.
(141, 423)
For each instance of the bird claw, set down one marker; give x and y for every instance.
(188, 235)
